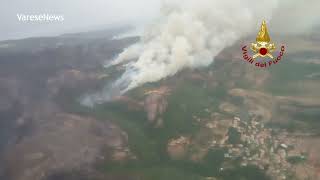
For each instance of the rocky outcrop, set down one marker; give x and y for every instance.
(228, 108)
(155, 104)
(178, 148)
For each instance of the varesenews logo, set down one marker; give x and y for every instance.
(40, 18)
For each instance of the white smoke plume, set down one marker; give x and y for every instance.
(189, 34)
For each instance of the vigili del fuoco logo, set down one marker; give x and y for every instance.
(263, 50)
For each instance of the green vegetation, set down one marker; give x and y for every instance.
(296, 159)
(288, 79)
(189, 99)
(234, 136)
(304, 121)
(149, 144)
(187, 170)
(245, 173)
(287, 75)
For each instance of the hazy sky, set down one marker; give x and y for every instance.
(82, 15)
(78, 14)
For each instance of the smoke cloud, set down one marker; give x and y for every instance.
(189, 34)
